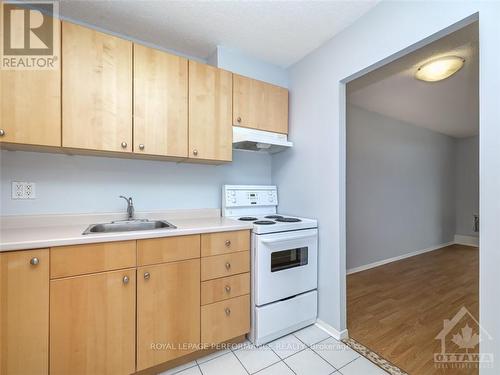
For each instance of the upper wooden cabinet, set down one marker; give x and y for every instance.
(96, 90)
(30, 103)
(210, 110)
(112, 95)
(160, 103)
(259, 105)
(24, 312)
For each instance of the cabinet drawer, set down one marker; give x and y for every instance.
(225, 288)
(224, 242)
(225, 320)
(90, 258)
(168, 249)
(225, 265)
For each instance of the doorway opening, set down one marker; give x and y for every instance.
(412, 209)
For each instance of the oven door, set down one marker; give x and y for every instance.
(285, 264)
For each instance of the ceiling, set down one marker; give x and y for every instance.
(450, 106)
(278, 32)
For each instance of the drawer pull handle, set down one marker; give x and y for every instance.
(125, 279)
(228, 266)
(124, 144)
(227, 288)
(34, 261)
(228, 243)
(227, 310)
(147, 275)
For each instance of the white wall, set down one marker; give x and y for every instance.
(311, 176)
(467, 185)
(237, 62)
(400, 188)
(80, 184)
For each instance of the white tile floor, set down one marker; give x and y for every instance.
(310, 351)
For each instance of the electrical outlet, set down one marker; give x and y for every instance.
(29, 190)
(17, 190)
(23, 190)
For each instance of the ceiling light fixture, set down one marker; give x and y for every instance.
(440, 68)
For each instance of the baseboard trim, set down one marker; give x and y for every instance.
(466, 240)
(332, 331)
(400, 257)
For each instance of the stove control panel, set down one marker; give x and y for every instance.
(248, 196)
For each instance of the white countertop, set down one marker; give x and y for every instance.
(51, 233)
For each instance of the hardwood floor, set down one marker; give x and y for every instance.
(398, 309)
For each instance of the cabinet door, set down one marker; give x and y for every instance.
(259, 105)
(160, 103)
(92, 324)
(210, 110)
(96, 90)
(30, 103)
(168, 311)
(24, 312)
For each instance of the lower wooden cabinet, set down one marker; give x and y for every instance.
(225, 288)
(225, 265)
(224, 320)
(97, 309)
(92, 324)
(24, 312)
(168, 311)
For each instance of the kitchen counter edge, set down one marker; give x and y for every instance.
(45, 237)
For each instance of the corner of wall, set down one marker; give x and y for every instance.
(238, 62)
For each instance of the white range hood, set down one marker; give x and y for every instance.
(259, 140)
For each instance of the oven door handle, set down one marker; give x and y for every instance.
(300, 237)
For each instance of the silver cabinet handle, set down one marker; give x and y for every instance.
(141, 147)
(34, 261)
(228, 243)
(227, 288)
(228, 265)
(147, 275)
(2, 132)
(195, 152)
(125, 279)
(124, 144)
(227, 310)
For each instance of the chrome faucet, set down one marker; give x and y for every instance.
(130, 207)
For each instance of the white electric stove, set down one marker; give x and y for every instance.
(284, 261)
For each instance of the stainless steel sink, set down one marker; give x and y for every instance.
(128, 226)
